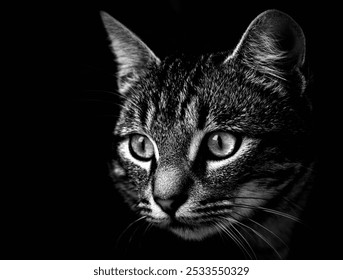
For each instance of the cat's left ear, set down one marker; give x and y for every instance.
(132, 55)
(273, 44)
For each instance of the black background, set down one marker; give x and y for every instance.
(59, 202)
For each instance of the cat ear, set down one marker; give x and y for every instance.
(273, 44)
(132, 55)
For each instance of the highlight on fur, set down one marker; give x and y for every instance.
(227, 142)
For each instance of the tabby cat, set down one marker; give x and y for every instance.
(217, 145)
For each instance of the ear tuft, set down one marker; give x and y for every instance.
(132, 55)
(273, 44)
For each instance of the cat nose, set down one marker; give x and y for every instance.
(170, 205)
(170, 188)
(165, 204)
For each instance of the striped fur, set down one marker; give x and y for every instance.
(255, 196)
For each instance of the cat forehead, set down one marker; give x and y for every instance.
(206, 84)
(180, 73)
(171, 102)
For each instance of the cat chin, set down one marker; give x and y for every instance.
(196, 234)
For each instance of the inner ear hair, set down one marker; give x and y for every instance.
(273, 44)
(132, 55)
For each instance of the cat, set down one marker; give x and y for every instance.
(217, 145)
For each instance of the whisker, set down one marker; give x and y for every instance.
(259, 235)
(269, 210)
(147, 228)
(245, 240)
(134, 232)
(235, 239)
(293, 203)
(227, 201)
(249, 197)
(264, 198)
(126, 230)
(265, 228)
(219, 231)
(224, 230)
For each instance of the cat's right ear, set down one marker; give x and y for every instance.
(273, 44)
(132, 55)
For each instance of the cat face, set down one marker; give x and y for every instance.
(204, 143)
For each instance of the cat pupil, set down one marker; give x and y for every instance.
(219, 141)
(141, 147)
(221, 144)
(141, 143)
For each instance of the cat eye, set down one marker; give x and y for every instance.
(222, 144)
(141, 147)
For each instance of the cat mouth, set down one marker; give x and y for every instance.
(189, 230)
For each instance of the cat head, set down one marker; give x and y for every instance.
(204, 143)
